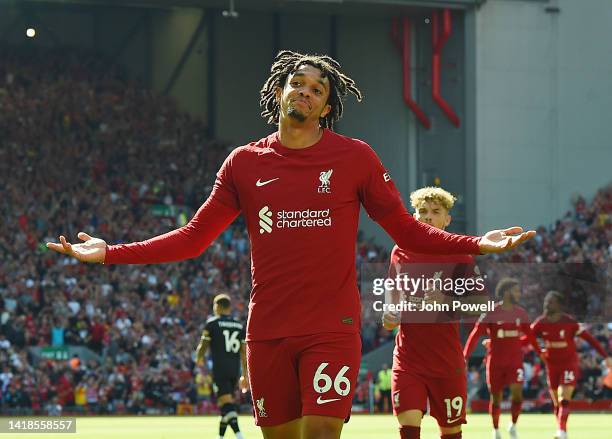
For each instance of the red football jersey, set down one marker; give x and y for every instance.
(558, 337)
(504, 327)
(301, 208)
(430, 349)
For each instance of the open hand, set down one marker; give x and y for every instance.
(498, 241)
(92, 250)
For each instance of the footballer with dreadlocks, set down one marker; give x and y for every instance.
(300, 190)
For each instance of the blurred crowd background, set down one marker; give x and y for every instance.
(82, 148)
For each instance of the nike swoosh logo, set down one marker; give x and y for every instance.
(325, 401)
(450, 421)
(260, 183)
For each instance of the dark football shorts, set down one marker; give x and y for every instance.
(224, 385)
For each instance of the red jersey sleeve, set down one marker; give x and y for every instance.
(394, 264)
(377, 192)
(530, 337)
(187, 242)
(536, 329)
(219, 210)
(478, 331)
(224, 189)
(418, 237)
(586, 335)
(384, 205)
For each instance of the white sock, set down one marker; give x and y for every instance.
(239, 435)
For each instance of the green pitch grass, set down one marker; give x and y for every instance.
(581, 426)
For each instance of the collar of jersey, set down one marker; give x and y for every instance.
(277, 146)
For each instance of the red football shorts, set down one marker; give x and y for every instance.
(300, 376)
(561, 374)
(447, 396)
(500, 375)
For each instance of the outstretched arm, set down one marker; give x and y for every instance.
(382, 201)
(470, 344)
(418, 237)
(186, 242)
(586, 335)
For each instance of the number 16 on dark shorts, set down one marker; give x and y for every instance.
(301, 376)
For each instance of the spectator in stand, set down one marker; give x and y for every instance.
(54, 408)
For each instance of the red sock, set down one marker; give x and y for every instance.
(451, 436)
(556, 410)
(494, 411)
(408, 432)
(564, 412)
(515, 409)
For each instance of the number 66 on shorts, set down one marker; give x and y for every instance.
(312, 375)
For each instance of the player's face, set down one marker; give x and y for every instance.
(434, 214)
(551, 305)
(514, 294)
(304, 96)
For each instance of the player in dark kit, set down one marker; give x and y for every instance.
(428, 363)
(226, 338)
(504, 326)
(558, 330)
(300, 190)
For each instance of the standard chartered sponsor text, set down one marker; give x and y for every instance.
(291, 219)
(286, 219)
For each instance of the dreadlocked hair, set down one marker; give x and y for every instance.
(287, 62)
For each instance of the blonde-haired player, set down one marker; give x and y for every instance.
(428, 364)
(433, 204)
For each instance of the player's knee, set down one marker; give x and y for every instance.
(516, 394)
(564, 402)
(321, 427)
(228, 412)
(450, 432)
(410, 418)
(566, 393)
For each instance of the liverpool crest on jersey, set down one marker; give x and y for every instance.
(324, 177)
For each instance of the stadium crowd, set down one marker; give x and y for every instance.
(84, 148)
